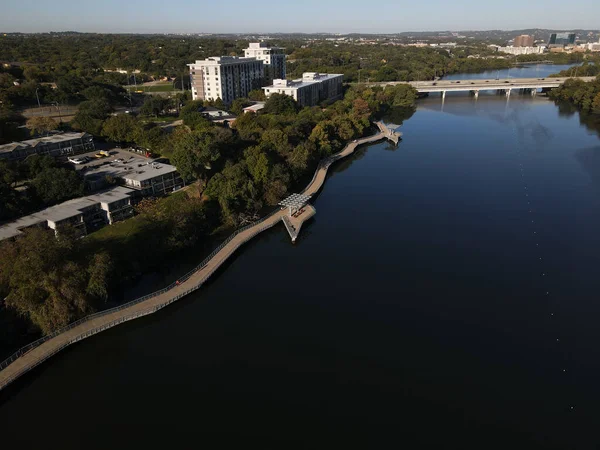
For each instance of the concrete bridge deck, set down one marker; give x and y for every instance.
(504, 84)
(39, 351)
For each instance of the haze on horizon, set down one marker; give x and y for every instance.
(308, 16)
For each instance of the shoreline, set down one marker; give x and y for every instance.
(30, 356)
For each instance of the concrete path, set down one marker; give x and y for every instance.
(31, 356)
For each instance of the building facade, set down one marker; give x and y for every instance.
(62, 144)
(312, 89)
(562, 39)
(523, 40)
(84, 214)
(272, 57)
(522, 50)
(225, 77)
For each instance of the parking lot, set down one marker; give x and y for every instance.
(115, 155)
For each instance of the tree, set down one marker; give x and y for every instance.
(150, 136)
(401, 95)
(91, 115)
(257, 95)
(280, 104)
(596, 104)
(98, 271)
(300, 156)
(234, 190)
(248, 127)
(360, 109)
(153, 106)
(36, 164)
(57, 184)
(9, 123)
(98, 93)
(258, 164)
(238, 105)
(120, 128)
(277, 141)
(41, 125)
(194, 152)
(46, 282)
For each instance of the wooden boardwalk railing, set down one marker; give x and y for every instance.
(39, 351)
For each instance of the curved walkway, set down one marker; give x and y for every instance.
(39, 351)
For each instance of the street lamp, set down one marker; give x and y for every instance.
(58, 107)
(38, 97)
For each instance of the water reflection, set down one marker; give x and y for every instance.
(589, 158)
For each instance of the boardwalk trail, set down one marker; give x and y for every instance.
(39, 351)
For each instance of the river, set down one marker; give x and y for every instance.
(525, 71)
(446, 294)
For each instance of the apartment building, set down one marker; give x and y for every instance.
(312, 89)
(84, 214)
(61, 144)
(147, 177)
(273, 59)
(225, 77)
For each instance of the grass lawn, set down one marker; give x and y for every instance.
(166, 87)
(130, 228)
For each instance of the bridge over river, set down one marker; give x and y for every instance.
(506, 85)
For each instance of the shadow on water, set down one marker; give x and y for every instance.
(589, 158)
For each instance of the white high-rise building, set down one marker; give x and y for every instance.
(225, 77)
(272, 57)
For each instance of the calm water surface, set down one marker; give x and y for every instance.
(528, 71)
(446, 294)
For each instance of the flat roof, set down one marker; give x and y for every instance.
(130, 168)
(66, 210)
(256, 107)
(53, 139)
(112, 195)
(223, 60)
(302, 82)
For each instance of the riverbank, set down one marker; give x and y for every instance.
(39, 351)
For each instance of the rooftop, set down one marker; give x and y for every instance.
(126, 166)
(66, 210)
(256, 107)
(53, 139)
(259, 45)
(220, 60)
(307, 79)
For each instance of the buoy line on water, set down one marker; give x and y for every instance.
(537, 245)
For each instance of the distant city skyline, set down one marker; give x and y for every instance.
(309, 16)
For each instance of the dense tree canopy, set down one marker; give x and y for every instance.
(48, 281)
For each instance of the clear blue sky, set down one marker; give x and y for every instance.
(339, 16)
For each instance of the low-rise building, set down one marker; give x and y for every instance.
(61, 144)
(522, 50)
(258, 106)
(312, 89)
(216, 114)
(148, 177)
(84, 214)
